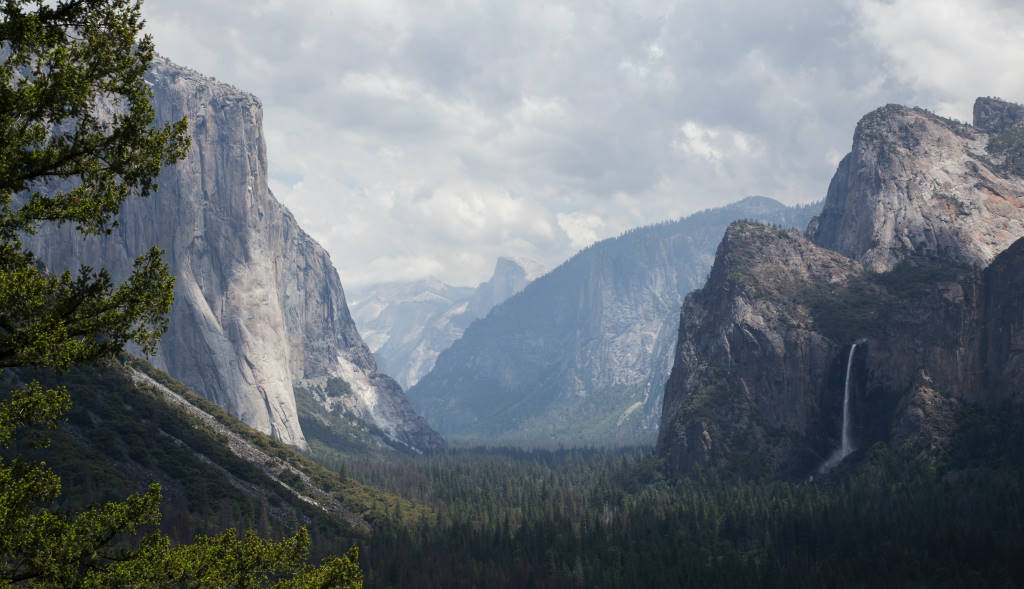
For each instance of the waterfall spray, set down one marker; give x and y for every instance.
(846, 444)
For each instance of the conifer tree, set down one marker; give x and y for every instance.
(77, 138)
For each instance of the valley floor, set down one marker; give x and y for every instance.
(568, 518)
(590, 518)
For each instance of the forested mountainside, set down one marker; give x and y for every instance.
(258, 305)
(407, 324)
(581, 355)
(900, 310)
(131, 424)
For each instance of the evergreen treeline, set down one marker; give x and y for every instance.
(585, 518)
(118, 437)
(582, 517)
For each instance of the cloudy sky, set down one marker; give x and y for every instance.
(416, 138)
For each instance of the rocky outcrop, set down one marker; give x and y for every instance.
(760, 369)
(258, 304)
(581, 355)
(925, 420)
(917, 184)
(747, 381)
(408, 324)
(931, 301)
(995, 116)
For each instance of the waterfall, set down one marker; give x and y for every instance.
(846, 444)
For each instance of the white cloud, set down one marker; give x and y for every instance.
(583, 229)
(714, 143)
(386, 268)
(833, 157)
(413, 137)
(957, 49)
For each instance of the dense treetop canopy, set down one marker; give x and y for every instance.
(76, 139)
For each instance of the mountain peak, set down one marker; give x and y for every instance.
(916, 184)
(407, 324)
(995, 115)
(511, 275)
(532, 269)
(762, 202)
(749, 247)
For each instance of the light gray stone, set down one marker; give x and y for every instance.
(258, 305)
(917, 184)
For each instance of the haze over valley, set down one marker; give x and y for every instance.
(540, 294)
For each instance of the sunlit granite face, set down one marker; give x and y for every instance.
(258, 304)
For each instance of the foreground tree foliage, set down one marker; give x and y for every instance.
(77, 138)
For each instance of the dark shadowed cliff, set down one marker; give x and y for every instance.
(911, 260)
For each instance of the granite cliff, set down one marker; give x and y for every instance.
(259, 308)
(915, 183)
(913, 259)
(581, 355)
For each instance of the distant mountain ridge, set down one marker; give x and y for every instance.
(259, 307)
(581, 355)
(407, 324)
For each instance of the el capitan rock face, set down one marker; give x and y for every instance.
(931, 299)
(258, 305)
